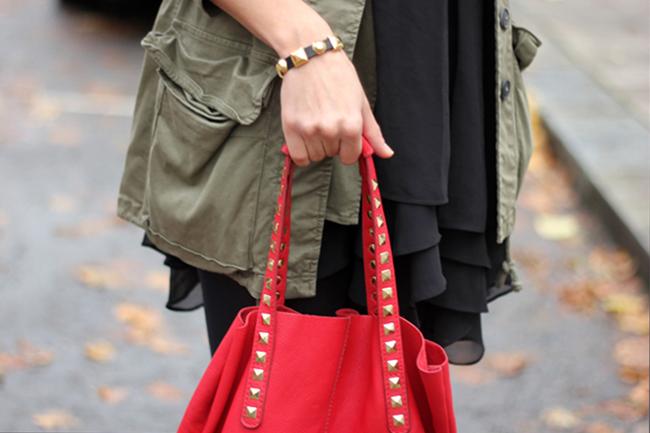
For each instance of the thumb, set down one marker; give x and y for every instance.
(372, 131)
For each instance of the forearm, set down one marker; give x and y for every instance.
(284, 25)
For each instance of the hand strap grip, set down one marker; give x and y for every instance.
(381, 297)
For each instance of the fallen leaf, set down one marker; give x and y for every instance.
(164, 345)
(579, 295)
(472, 374)
(112, 395)
(639, 396)
(632, 355)
(638, 324)
(55, 419)
(61, 203)
(600, 427)
(616, 264)
(111, 275)
(100, 351)
(157, 280)
(623, 409)
(556, 227)
(508, 364)
(560, 418)
(143, 320)
(164, 391)
(624, 303)
(90, 227)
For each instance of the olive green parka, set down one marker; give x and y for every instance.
(202, 170)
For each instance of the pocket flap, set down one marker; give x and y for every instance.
(525, 45)
(226, 75)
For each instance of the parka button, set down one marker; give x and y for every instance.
(505, 89)
(504, 18)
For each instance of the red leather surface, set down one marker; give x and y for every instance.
(350, 373)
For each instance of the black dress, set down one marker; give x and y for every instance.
(435, 72)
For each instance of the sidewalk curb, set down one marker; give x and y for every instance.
(594, 198)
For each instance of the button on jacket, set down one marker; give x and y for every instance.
(202, 170)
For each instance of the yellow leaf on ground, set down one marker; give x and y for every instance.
(105, 276)
(112, 395)
(639, 396)
(100, 351)
(560, 418)
(624, 303)
(638, 324)
(557, 227)
(55, 419)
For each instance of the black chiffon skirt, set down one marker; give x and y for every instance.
(435, 70)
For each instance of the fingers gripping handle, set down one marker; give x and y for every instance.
(381, 297)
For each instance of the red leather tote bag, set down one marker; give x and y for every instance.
(280, 371)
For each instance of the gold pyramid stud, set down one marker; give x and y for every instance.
(281, 67)
(260, 356)
(258, 373)
(270, 264)
(382, 238)
(391, 346)
(371, 231)
(268, 283)
(276, 226)
(368, 198)
(389, 328)
(266, 318)
(373, 264)
(394, 382)
(396, 401)
(373, 279)
(383, 257)
(282, 246)
(369, 213)
(380, 221)
(374, 184)
(398, 420)
(386, 275)
(388, 310)
(386, 292)
(392, 364)
(264, 337)
(371, 247)
(377, 203)
(254, 393)
(280, 263)
(251, 411)
(319, 47)
(266, 299)
(299, 57)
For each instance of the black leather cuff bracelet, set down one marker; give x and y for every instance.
(302, 55)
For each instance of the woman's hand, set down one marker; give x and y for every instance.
(325, 111)
(324, 107)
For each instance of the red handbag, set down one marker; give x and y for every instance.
(279, 371)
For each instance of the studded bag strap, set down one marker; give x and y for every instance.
(381, 294)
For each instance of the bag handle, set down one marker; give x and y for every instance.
(381, 297)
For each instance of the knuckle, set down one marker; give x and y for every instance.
(350, 127)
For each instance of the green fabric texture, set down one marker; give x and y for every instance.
(202, 169)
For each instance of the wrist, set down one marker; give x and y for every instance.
(291, 38)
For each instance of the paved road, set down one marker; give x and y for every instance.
(86, 344)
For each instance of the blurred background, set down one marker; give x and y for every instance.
(86, 344)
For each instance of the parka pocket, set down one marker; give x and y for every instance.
(207, 143)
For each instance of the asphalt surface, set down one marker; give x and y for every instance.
(85, 341)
